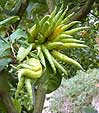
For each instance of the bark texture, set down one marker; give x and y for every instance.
(4, 93)
(39, 100)
(82, 13)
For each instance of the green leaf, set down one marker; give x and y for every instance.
(4, 62)
(22, 53)
(53, 82)
(9, 21)
(49, 80)
(5, 54)
(36, 9)
(16, 7)
(17, 105)
(15, 36)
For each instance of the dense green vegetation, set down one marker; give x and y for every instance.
(78, 94)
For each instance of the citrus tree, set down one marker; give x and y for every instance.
(31, 55)
(38, 53)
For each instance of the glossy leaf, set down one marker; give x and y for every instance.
(22, 53)
(49, 80)
(53, 82)
(9, 21)
(5, 54)
(15, 36)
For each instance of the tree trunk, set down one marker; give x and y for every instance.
(4, 93)
(39, 99)
(6, 100)
(82, 13)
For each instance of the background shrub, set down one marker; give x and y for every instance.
(75, 94)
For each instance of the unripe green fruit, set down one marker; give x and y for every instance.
(29, 73)
(30, 68)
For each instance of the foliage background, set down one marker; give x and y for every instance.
(78, 94)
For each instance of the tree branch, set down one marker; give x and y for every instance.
(5, 98)
(50, 5)
(39, 100)
(4, 93)
(82, 13)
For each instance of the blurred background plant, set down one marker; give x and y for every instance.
(75, 95)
